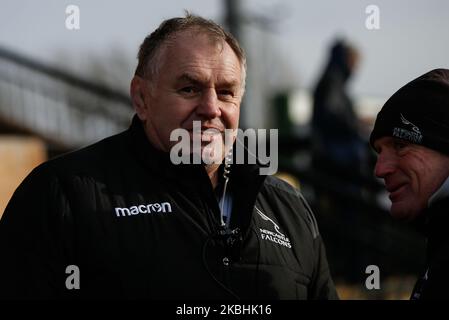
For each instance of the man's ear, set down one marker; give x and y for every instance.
(137, 92)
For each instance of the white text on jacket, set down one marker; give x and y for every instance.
(148, 208)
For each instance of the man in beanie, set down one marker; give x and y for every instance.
(411, 137)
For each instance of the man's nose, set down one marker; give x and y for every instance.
(386, 164)
(208, 106)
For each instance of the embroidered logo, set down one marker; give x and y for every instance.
(163, 207)
(275, 236)
(405, 121)
(414, 135)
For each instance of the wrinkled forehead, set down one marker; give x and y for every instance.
(191, 51)
(382, 142)
(389, 142)
(185, 39)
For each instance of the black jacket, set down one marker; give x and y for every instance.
(138, 226)
(434, 282)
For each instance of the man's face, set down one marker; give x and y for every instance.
(199, 80)
(412, 173)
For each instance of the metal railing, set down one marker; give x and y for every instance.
(59, 107)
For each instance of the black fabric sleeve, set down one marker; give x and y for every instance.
(32, 232)
(322, 287)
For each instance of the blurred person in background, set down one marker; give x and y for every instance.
(337, 142)
(411, 138)
(340, 156)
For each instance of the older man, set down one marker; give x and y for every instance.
(411, 138)
(131, 223)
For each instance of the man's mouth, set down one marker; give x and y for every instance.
(396, 191)
(206, 135)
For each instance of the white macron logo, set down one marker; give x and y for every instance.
(148, 208)
(276, 237)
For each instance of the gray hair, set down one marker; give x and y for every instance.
(151, 48)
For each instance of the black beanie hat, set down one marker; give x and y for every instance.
(418, 112)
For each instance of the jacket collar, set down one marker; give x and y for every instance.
(244, 178)
(245, 181)
(154, 159)
(436, 222)
(441, 193)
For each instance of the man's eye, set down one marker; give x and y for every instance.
(189, 90)
(226, 93)
(398, 145)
